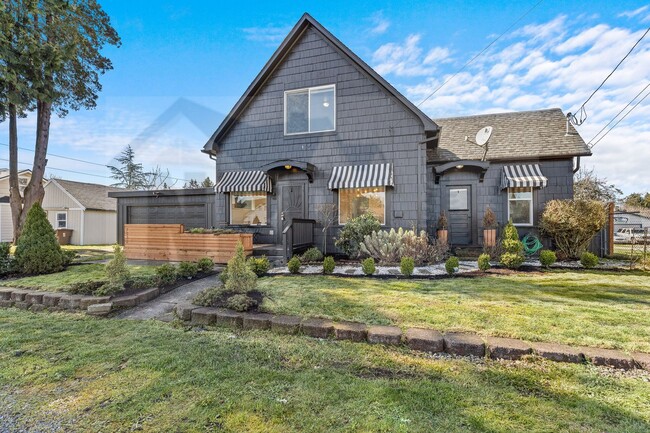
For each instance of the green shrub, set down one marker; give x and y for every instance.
(68, 256)
(368, 266)
(547, 258)
(7, 263)
(355, 231)
(108, 289)
(489, 219)
(259, 265)
(572, 224)
(85, 287)
(166, 274)
(513, 248)
(117, 272)
(37, 250)
(390, 246)
(294, 265)
(484, 262)
(328, 265)
(451, 265)
(240, 277)
(589, 260)
(143, 282)
(210, 296)
(406, 266)
(187, 270)
(206, 264)
(311, 255)
(240, 302)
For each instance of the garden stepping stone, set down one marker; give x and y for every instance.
(643, 360)
(204, 316)
(608, 357)
(350, 331)
(394, 272)
(558, 352)
(389, 335)
(257, 321)
(507, 348)
(317, 328)
(425, 340)
(423, 271)
(184, 311)
(464, 344)
(229, 318)
(51, 299)
(285, 324)
(100, 309)
(349, 271)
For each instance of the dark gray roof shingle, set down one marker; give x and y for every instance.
(521, 135)
(90, 195)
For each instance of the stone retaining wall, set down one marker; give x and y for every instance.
(426, 340)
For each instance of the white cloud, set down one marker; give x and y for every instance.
(407, 59)
(379, 23)
(269, 34)
(633, 13)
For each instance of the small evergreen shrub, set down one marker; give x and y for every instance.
(547, 258)
(68, 256)
(223, 276)
(37, 250)
(451, 265)
(311, 255)
(6, 261)
(240, 302)
(294, 265)
(206, 264)
(209, 296)
(328, 265)
(484, 262)
(259, 265)
(355, 231)
(85, 287)
(142, 282)
(240, 277)
(589, 260)
(117, 272)
(489, 219)
(406, 266)
(187, 270)
(166, 274)
(513, 255)
(108, 289)
(368, 266)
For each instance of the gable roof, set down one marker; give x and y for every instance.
(520, 135)
(4, 172)
(89, 195)
(278, 57)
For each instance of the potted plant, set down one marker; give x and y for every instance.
(443, 224)
(489, 228)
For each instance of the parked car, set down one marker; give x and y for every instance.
(629, 234)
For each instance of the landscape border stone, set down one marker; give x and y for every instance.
(463, 344)
(317, 328)
(424, 340)
(507, 348)
(608, 358)
(388, 335)
(256, 321)
(558, 352)
(229, 318)
(351, 331)
(204, 316)
(285, 324)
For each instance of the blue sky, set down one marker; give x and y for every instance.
(182, 66)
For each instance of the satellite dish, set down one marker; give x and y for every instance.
(483, 135)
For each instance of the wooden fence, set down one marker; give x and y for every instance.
(170, 242)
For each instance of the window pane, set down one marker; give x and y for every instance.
(458, 199)
(297, 112)
(248, 208)
(520, 193)
(520, 211)
(354, 202)
(322, 110)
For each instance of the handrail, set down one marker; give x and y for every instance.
(299, 233)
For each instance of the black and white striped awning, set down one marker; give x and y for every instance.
(522, 176)
(361, 176)
(244, 181)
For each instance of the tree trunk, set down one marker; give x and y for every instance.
(15, 198)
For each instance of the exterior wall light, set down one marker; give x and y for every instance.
(460, 166)
(288, 167)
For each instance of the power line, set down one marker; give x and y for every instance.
(480, 53)
(62, 169)
(620, 120)
(582, 110)
(619, 113)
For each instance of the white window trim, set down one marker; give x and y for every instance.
(309, 90)
(532, 205)
(339, 205)
(261, 193)
(57, 220)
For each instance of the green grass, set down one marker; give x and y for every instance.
(598, 308)
(83, 374)
(90, 253)
(60, 281)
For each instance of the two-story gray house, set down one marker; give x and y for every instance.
(319, 126)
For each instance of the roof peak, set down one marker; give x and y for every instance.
(500, 113)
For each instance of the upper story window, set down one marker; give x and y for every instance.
(310, 110)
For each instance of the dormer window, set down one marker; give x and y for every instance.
(310, 110)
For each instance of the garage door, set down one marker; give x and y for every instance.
(190, 216)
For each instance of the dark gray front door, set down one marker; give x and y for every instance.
(293, 199)
(460, 214)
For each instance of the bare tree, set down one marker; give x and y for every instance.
(327, 213)
(159, 178)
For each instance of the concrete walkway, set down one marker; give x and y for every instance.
(162, 307)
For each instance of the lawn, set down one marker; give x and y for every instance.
(80, 374)
(90, 253)
(60, 281)
(591, 308)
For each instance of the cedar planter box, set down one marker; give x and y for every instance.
(442, 235)
(170, 242)
(489, 237)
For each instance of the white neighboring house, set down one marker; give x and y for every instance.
(6, 224)
(83, 207)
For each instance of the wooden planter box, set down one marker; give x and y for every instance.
(489, 237)
(170, 242)
(442, 235)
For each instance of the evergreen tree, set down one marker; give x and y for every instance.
(37, 250)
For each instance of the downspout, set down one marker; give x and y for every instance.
(577, 166)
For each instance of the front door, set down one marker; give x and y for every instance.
(292, 204)
(460, 214)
